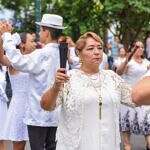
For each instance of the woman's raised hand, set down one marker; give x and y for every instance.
(130, 54)
(5, 26)
(60, 78)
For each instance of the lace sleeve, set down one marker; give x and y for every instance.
(63, 94)
(125, 90)
(59, 98)
(126, 94)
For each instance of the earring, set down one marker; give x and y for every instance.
(80, 60)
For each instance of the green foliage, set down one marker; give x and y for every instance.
(79, 15)
(131, 17)
(24, 12)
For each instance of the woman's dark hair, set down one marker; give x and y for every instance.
(23, 37)
(62, 39)
(63, 47)
(55, 33)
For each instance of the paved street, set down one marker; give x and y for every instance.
(138, 143)
(9, 146)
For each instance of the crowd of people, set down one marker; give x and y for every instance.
(78, 107)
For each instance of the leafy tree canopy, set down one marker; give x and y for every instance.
(131, 17)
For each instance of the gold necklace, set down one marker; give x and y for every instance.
(98, 93)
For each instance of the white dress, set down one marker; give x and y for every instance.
(80, 127)
(15, 128)
(136, 120)
(124, 110)
(3, 103)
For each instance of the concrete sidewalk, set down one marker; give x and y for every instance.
(9, 146)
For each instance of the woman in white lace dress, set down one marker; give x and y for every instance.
(15, 129)
(3, 106)
(89, 100)
(136, 120)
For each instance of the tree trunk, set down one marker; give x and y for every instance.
(126, 39)
(75, 31)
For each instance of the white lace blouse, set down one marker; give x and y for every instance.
(80, 127)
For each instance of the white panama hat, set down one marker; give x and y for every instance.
(52, 20)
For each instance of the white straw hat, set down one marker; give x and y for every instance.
(52, 20)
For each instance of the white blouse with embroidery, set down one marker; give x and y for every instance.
(80, 126)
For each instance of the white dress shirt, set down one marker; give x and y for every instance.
(41, 66)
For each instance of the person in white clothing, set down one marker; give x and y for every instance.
(3, 106)
(120, 59)
(135, 120)
(15, 129)
(90, 99)
(41, 66)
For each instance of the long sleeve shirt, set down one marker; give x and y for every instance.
(41, 66)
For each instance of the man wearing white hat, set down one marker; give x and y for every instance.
(41, 65)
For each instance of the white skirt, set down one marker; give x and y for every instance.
(3, 115)
(15, 128)
(135, 120)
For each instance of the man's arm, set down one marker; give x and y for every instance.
(25, 63)
(3, 59)
(141, 92)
